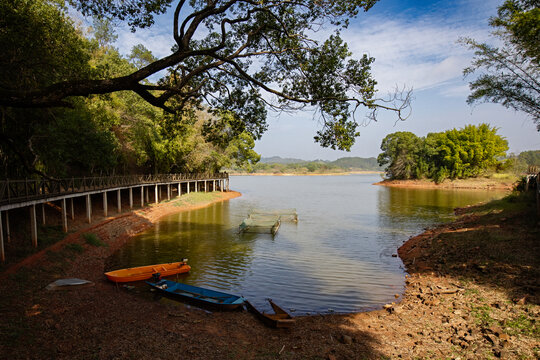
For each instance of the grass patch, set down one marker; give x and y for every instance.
(49, 235)
(482, 314)
(195, 198)
(523, 325)
(93, 239)
(516, 201)
(76, 248)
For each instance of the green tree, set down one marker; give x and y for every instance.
(510, 73)
(251, 50)
(400, 155)
(466, 152)
(456, 153)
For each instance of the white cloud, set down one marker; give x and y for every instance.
(421, 53)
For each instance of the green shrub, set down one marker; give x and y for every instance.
(93, 239)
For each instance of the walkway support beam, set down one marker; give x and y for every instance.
(88, 209)
(64, 216)
(8, 233)
(119, 201)
(2, 251)
(33, 225)
(105, 205)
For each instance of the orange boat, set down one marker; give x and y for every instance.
(146, 272)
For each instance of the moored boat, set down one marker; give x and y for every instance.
(281, 318)
(145, 272)
(200, 296)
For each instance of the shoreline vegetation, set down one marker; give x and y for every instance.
(471, 292)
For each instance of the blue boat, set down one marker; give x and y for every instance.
(200, 296)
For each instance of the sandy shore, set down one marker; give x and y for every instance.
(477, 183)
(456, 305)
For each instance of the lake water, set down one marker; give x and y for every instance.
(337, 258)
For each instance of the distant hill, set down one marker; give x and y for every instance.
(280, 160)
(357, 163)
(342, 164)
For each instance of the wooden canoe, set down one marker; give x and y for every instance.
(146, 272)
(281, 319)
(200, 296)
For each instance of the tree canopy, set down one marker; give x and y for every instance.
(510, 74)
(101, 133)
(239, 56)
(456, 153)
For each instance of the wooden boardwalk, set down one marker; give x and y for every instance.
(16, 194)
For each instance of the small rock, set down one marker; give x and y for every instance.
(397, 310)
(521, 301)
(387, 306)
(346, 339)
(496, 330)
(396, 296)
(394, 255)
(331, 357)
(491, 338)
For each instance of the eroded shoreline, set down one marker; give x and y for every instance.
(450, 307)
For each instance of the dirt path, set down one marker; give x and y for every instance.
(466, 297)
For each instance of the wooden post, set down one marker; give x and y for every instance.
(147, 195)
(2, 251)
(142, 196)
(105, 205)
(119, 201)
(205, 185)
(8, 233)
(538, 194)
(221, 183)
(72, 210)
(43, 213)
(64, 215)
(188, 187)
(33, 225)
(168, 192)
(179, 189)
(227, 184)
(196, 186)
(88, 209)
(156, 193)
(130, 198)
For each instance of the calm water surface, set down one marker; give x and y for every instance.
(337, 258)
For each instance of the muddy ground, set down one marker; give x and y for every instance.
(472, 293)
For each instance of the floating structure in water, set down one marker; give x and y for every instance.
(283, 214)
(267, 221)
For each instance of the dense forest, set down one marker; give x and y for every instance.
(113, 133)
(458, 153)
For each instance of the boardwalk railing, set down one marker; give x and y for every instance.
(13, 191)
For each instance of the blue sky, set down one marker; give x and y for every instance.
(414, 44)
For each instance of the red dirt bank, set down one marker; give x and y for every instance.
(454, 307)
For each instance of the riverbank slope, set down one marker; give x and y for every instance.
(494, 183)
(467, 296)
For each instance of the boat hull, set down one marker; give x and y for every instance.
(199, 296)
(145, 272)
(281, 319)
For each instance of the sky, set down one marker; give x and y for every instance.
(414, 44)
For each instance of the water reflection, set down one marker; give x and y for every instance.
(337, 257)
